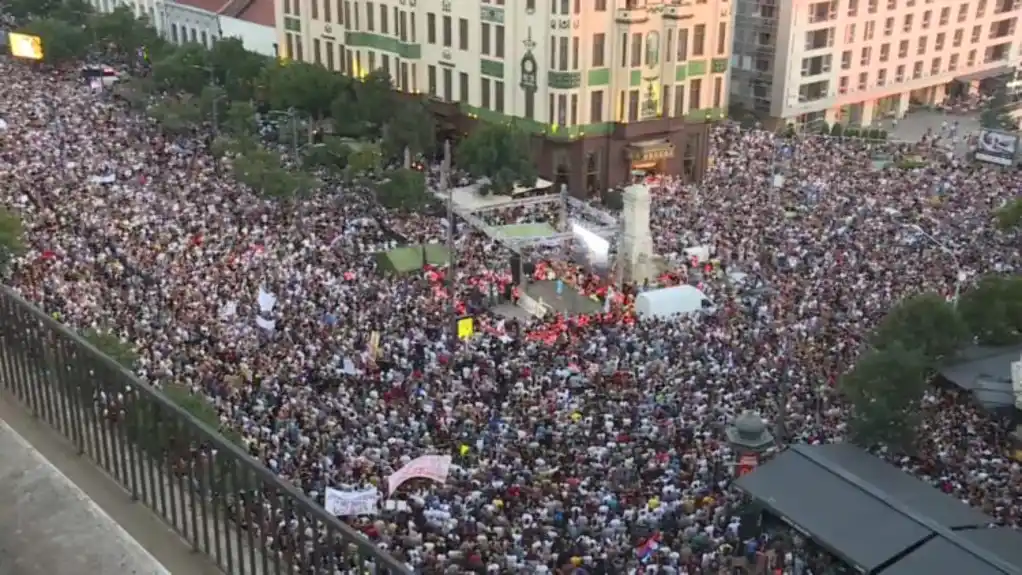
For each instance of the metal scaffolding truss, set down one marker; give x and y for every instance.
(607, 227)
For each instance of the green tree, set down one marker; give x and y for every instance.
(992, 310)
(308, 88)
(236, 69)
(410, 127)
(12, 238)
(121, 30)
(260, 170)
(885, 389)
(995, 115)
(22, 10)
(177, 114)
(239, 118)
(377, 100)
(501, 154)
(924, 322)
(74, 12)
(404, 190)
(1009, 215)
(135, 91)
(364, 160)
(331, 154)
(62, 42)
(108, 342)
(347, 116)
(183, 69)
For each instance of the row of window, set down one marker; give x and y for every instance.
(866, 52)
(1005, 27)
(491, 36)
(882, 78)
(189, 34)
(873, 6)
(350, 61)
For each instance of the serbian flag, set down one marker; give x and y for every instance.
(645, 551)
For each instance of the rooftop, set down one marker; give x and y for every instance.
(877, 517)
(213, 6)
(259, 12)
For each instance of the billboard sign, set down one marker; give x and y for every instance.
(25, 46)
(997, 147)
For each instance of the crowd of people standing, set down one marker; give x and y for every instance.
(600, 450)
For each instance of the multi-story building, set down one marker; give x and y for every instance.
(607, 86)
(856, 61)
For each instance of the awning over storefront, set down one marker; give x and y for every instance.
(650, 151)
(984, 74)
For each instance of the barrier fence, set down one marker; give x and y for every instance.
(221, 501)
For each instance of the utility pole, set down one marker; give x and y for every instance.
(293, 115)
(216, 102)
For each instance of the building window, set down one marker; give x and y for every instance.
(372, 60)
(633, 105)
(173, 35)
(205, 39)
(563, 60)
(347, 13)
(718, 92)
(384, 20)
(462, 34)
(370, 17)
(636, 50)
(596, 107)
(386, 64)
(315, 8)
(402, 27)
(669, 52)
(299, 49)
(599, 49)
(574, 101)
(695, 87)
(448, 85)
(404, 77)
(698, 39)
(430, 28)
(316, 51)
(463, 87)
(431, 73)
(499, 40)
(412, 16)
(329, 54)
(601, 6)
(498, 96)
(562, 110)
(574, 53)
(553, 52)
(484, 38)
(722, 38)
(327, 11)
(447, 32)
(287, 6)
(665, 101)
(679, 101)
(682, 45)
(552, 112)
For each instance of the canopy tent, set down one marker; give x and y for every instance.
(666, 302)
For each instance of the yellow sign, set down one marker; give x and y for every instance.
(466, 327)
(25, 46)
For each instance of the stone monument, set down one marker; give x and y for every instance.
(635, 254)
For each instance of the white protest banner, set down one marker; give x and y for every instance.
(435, 467)
(266, 300)
(350, 503)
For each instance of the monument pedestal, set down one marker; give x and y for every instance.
(635, 254)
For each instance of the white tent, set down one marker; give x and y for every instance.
(666, 302)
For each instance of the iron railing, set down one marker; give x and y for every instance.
(221, 501)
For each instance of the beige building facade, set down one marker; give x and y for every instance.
(566, 70)
(856, 61)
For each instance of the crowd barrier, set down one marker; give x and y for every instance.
(222, 502)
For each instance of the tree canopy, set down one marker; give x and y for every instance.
(405, 190)
(411, 127)
(885, 389)
(113, 346)
(501, 154)
(62, 41)
(924, 322)
(992, 310)
(995, 114)
(308, 88)
(12, 238)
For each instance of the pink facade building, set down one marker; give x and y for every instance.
(855, 61)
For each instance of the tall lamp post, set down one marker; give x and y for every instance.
(960, 275)
(750, 438)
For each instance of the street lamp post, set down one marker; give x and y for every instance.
(960, 275)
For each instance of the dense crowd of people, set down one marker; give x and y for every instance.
(600, 449)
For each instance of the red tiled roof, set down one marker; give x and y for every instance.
(213, 6)
(260, 12)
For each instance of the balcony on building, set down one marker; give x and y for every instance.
(822, 12)
(1003, 28)
(816, 65)
(632, 12)
(813, 91)
(1006, 6)
(818, 39)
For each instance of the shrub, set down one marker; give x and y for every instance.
(837, 130)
